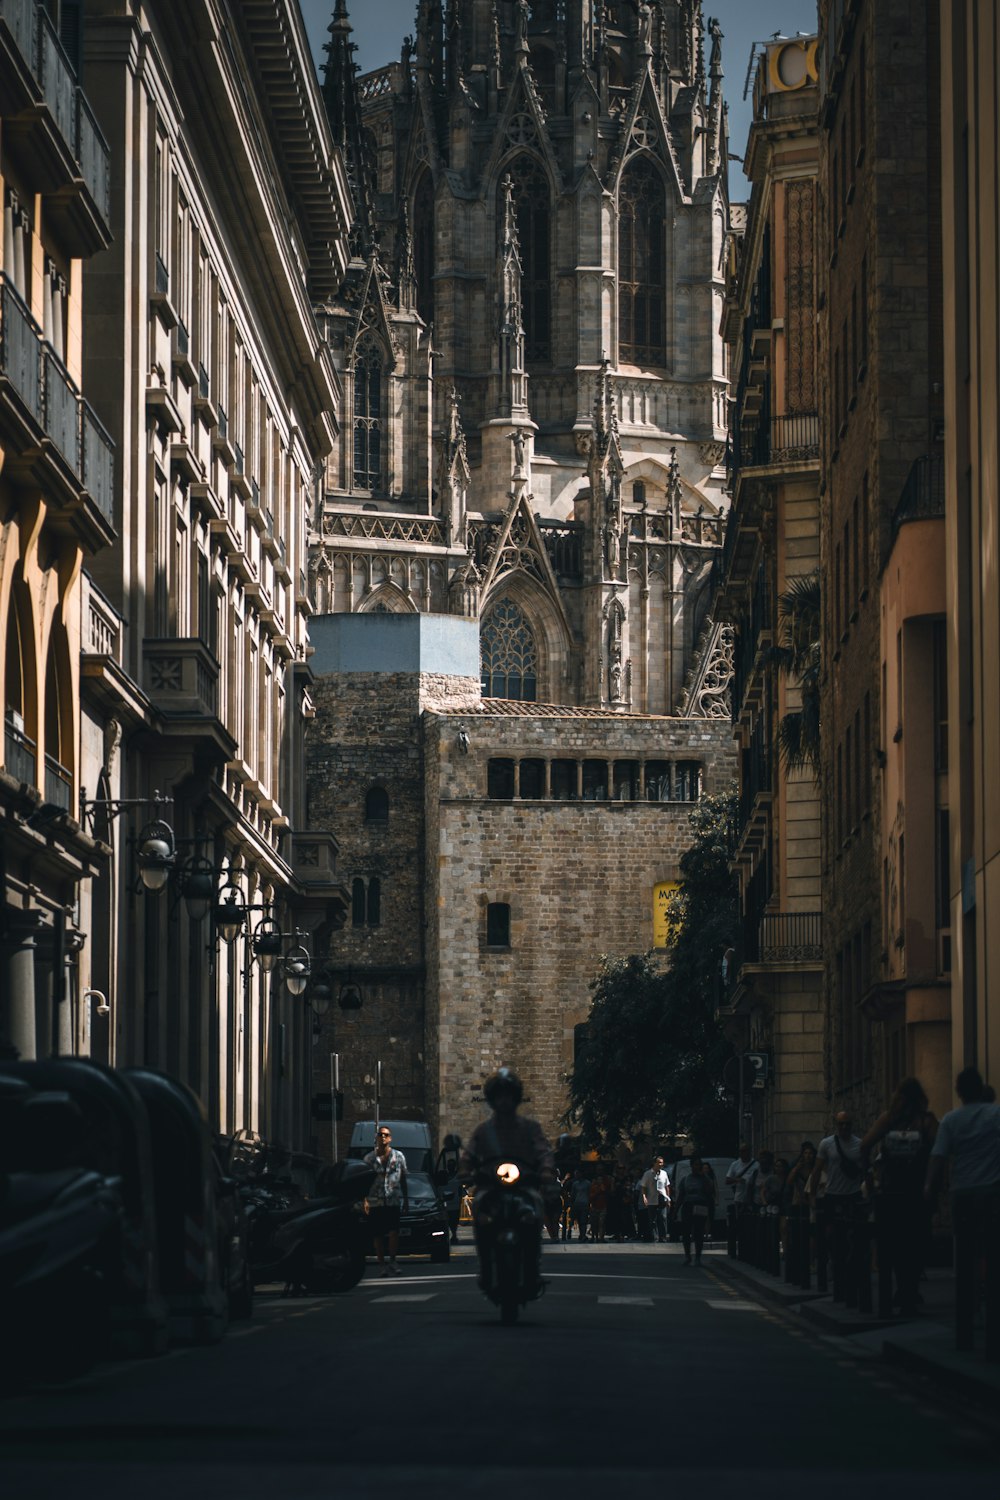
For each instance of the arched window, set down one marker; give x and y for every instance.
(368, 419)
(374, 901)
(508, 656)
(531, 204)
(642, 266)
(19, 728)
(376, 805)
(423, 245)
(58, 742)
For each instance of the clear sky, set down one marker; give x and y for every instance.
(380, 25)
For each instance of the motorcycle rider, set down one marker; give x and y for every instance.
(508, 1136)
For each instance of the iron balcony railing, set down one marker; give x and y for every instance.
(42, 382)
(37, 40)
(58, 783)
(791, 937)
(19, 759)
(792, 438)
(161, 276)
(204, 385)
(923, 493)
(755, 772)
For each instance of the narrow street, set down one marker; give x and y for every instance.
(633, 1370)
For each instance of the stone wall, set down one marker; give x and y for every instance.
(578, 877)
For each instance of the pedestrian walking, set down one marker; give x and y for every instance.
(580, 1201)
(903, 1138)
(969, 1138)
(656, 1198)
(600, 1197)
(387, 1198)
(695, 1204)
(742, 1178)
(838, 1159)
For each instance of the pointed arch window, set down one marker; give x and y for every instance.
(642, 266)
(531, 204)
(423, 245)
(508, 654)
(368, 416)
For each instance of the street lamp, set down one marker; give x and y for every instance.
(266, 943)
(297, 970)
(155, 854)
(229, 912)
(198, 887)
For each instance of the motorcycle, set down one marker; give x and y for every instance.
(312, 1244)
(60, 1233)
(507, 1216)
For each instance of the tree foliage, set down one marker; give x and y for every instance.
(652, 1056)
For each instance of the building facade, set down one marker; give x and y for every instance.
(527, 339)
(970, 56)
(57, 467)
(885, 797)
(775, 1002)
(229, 210)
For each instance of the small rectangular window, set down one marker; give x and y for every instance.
(659, 784)
(498, 925)
(564, 780)
(531, 780)
(595, 781)
(500, 780)
(626, 774)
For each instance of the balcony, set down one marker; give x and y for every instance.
(58, 784)
(755, 781)
(181, 676)
(923, 493)
(53, 128)
(772, 441)
(791, 938)
(48, 412)
(19, 758)
(314, 865)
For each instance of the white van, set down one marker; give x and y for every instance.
(412, 1137)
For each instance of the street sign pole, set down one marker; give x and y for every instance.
(378, 1095)
(334, 1089)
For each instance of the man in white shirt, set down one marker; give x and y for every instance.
(655, 1185)
(839, 1157)
(969, 1137)
(742, 1175)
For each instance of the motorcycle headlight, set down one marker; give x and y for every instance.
(508, 1172)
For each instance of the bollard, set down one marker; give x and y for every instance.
(793, 1226)
(863, 1255)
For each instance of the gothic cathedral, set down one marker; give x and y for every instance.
(531, 458)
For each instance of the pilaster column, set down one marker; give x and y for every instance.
(18, 1015)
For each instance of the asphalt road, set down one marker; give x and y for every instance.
(634, 1374)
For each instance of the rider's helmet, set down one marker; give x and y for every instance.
(503, 1081)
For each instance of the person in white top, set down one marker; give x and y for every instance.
(655, 1185)
(742, 1176)
(969, 1137)
(839, 1157)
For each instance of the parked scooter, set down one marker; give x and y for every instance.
(60, 1231)
(508, 1225)
(313, 1244)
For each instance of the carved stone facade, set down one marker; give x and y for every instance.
(535, 406)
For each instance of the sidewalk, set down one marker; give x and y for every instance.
(925, 1344)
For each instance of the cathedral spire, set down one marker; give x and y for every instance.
(715, 103)
(513, 380)
(343, 107)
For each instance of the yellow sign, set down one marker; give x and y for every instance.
(664, 931)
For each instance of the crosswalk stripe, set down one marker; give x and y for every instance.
(735, 1305)
(405, 1297)
(626, 1301)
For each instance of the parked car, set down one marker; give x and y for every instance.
(719, 1166)
(423, 1227)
